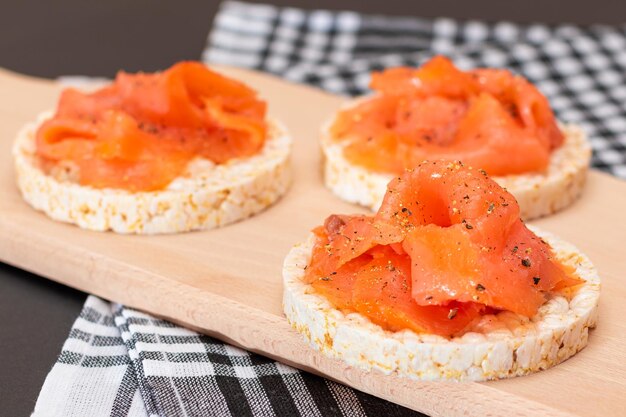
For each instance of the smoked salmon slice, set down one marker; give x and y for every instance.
(140, 132)
(487, 118)
(446, 245)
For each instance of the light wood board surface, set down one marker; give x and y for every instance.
(227, 282)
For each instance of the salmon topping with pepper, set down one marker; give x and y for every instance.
(487, 118)
(140, 132)
(446, 246)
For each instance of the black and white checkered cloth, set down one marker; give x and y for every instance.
(120, 362)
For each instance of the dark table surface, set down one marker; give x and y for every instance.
(69, 37)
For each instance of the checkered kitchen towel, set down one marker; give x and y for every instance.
(119, 362)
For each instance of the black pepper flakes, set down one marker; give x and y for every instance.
(526, 262)
(536, 280)
(480, 287)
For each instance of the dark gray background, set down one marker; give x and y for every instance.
(69, 37)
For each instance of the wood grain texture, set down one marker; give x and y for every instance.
(227, 282)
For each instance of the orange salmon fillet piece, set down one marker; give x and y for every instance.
(446, 246)
(487, 118)
(140, 132)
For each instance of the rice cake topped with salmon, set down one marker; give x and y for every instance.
(183, 149)
(445, 281)
(487, 118)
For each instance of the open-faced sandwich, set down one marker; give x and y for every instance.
(178, 150)
(445, 281)
(487, 118)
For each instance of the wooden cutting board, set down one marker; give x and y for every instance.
(227, 282)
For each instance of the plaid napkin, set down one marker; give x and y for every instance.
(120, 362)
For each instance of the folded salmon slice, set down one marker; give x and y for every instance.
(487, 118)
(446, 246)
(436, 77)
(140, 132)
(378, 285)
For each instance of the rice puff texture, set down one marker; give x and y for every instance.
(204, 197)
(538, 194)
(495, 346)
